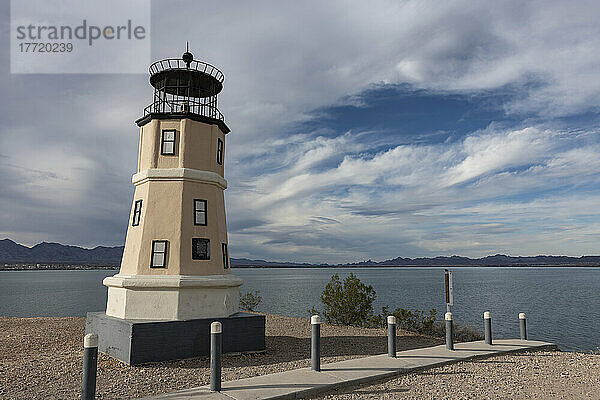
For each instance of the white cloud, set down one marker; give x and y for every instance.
(427, 199)
(488, 153)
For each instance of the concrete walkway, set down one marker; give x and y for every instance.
(302, 382)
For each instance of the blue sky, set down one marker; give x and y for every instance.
(363, 131)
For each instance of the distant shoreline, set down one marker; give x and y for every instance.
(419, 266)
(116, 268)
(55, 267)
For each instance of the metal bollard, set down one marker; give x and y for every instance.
(391, 320)
(216, 348)
(523, 326)
(449, 331)
(487, 327)
(315, 343)
(90, 366)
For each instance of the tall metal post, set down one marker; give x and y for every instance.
(449, 289)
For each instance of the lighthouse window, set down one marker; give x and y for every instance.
(200, 249)
(199, 212)
(137, 213)
(220, 151)
(225, 256)
(168, 142)
(159, 254)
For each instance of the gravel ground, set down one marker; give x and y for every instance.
(529, 375)
(40, 358)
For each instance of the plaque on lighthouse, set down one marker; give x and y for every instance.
(174, 278)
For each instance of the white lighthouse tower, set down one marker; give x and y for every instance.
(175, 265)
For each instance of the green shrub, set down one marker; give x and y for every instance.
(249, 301)
(351, 303)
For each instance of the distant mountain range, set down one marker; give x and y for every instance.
(498, 260)
(56, 253)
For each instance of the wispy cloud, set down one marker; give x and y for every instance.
(428, 199)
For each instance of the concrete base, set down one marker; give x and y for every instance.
(140, 341)
(172, 297)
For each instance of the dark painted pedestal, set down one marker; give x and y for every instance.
(140, 341)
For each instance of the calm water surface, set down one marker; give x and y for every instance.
(562, 304)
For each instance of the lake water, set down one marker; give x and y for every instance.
(562, 304)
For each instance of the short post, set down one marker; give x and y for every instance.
(315, 343)
(391, 320)
(487, 324)
(216, 347)
(90, 366)
(449, 331)
(523, 326)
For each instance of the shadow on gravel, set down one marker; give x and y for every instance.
(438, 373)
(289, 349)
(532, 353)
(380, 392)
(332, 346)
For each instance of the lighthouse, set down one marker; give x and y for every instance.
(175, 277)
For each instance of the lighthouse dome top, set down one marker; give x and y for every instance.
(186, 77)
(185, 88)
